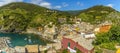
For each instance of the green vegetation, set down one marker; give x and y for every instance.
(96, 14)
(114, 17)
(78, 51)
(108, 40)
(73, 12)
(65, 51)
(45, 51)
(18, 16)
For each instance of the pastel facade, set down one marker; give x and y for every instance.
(85, 46)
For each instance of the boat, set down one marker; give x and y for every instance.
(8, 41)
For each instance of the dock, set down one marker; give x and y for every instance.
(3, 43)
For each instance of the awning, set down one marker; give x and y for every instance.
(72, 50)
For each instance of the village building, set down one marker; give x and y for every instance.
(35, 31)
(32, 48)
(56, 45)
(70, 29)
(62, 20)
(64, 29)
(74, 42)
(50, 31)
(43, 48)
(20, 49)
(77, 20)
(88, 35)
(97, 30)
(84, 27)
(39, 29)
(103, 28)
(51, 51)
(3, 42)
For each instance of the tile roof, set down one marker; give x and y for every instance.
(82, 41)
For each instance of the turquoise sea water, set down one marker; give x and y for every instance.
(22, 39)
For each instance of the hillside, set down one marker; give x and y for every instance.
(96, 14)
(18, 16)
(73, 12)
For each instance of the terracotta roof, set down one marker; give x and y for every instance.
(81, 41)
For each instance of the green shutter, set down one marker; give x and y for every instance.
(68, 44)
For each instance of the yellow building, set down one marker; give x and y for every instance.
(118, 51)
(32, 48)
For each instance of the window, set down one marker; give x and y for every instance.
(75, 48)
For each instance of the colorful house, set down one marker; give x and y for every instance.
(77, 42)
(103, 28)
(118, 51)
(89, 36)
(32, 48)
(20, 49)
(39, 28)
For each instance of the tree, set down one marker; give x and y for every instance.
(65, 51)
(109, 39)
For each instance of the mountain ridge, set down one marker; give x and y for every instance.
(19, 16)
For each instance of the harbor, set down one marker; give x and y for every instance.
(3, 42)
(14, 39)
(10, 41)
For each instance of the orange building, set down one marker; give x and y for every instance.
(105, 28)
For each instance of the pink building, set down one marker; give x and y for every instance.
(85, 46)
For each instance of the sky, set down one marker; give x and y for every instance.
(68, 4)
